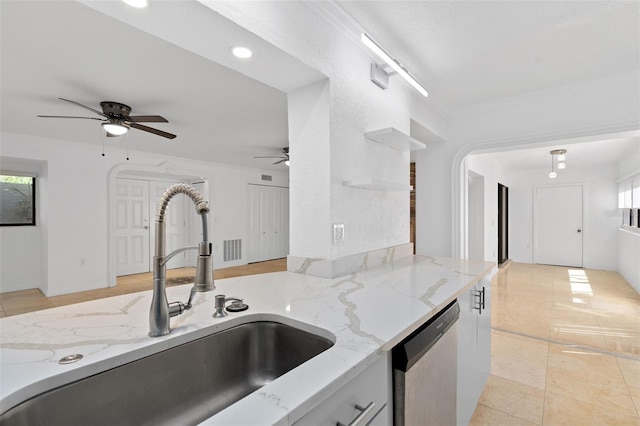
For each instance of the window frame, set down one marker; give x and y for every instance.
(629, 202)
(33, 198)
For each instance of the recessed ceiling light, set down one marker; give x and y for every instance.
(136, 3)
(241, 52)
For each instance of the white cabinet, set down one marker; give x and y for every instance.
(474, 347)
(368, 395)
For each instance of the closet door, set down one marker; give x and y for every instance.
(268, 223)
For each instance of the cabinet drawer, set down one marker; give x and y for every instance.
(372, 385)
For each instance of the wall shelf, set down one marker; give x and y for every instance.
(394, 138)
(376, 185)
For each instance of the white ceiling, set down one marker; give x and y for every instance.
(579, 154)
(471, 52)
(87, 56)
(173, 59)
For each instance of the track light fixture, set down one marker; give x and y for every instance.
(380, 76)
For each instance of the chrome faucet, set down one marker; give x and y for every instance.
(161, 310)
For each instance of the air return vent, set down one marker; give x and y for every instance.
(232, 250)
(267, 178)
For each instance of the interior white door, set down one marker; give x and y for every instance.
(174, 224)
(132, 226)
(559, 225)
(268, 223)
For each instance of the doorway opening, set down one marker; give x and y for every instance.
(412, 205)
(503, 223)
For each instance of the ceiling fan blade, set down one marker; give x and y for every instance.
(147, 119)
(281, 161)
(152, 130)
(70, 116)
(272, 156)
(84, 106)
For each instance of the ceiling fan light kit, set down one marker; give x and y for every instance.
(115, 128)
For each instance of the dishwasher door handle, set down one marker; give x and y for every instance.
(364, 412)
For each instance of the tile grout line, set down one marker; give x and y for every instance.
(569, 345)
(508, 414)
(635, 406)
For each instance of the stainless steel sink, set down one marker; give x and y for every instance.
(182, 385)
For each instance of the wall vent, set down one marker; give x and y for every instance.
(232, 250)
(267, 177)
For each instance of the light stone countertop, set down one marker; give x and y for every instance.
(365, 313)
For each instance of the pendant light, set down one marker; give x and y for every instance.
(559, 156)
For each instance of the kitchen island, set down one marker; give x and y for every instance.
(365, 314)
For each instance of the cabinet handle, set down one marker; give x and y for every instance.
(479, 302)
(364, 412)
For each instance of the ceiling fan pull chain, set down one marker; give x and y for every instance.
(103, 147)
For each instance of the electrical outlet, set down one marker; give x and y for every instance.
(338, 233)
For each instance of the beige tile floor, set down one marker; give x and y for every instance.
(565, 349)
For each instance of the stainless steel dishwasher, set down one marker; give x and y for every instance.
(424, 372)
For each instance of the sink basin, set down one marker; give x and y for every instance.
(182, 385)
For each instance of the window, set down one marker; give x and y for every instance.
(629, 202)
(17, 200)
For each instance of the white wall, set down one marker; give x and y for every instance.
(493, 174)
(628, 255)
(20, 245)
(600, 219)
(74, 211)
(309, 146)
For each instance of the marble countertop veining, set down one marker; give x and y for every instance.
(365, 313)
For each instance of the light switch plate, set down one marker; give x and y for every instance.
(338, 233)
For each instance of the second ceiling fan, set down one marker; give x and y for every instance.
(283, 158)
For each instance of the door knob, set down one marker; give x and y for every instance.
(579, 230)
